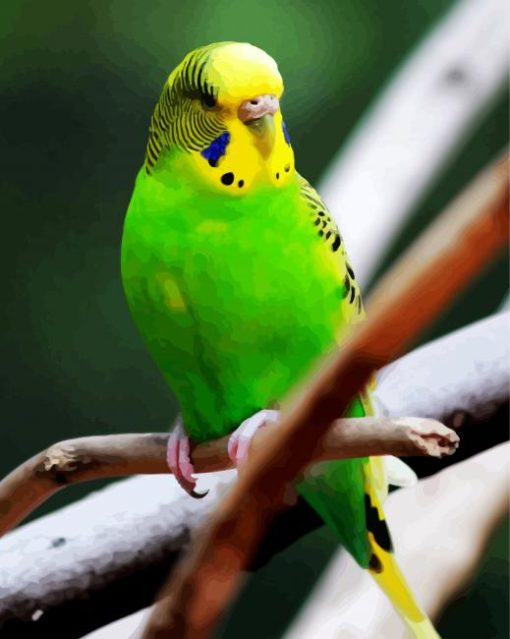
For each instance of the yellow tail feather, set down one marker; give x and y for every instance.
(383, 566)
(384, 569)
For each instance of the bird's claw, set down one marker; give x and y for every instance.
(240, 439)
(179, 462)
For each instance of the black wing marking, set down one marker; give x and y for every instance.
(327, 230)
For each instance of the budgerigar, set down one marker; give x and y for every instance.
(238, 280)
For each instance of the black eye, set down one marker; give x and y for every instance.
(208, 100)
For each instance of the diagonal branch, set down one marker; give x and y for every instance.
(463, 239)
(86, 458)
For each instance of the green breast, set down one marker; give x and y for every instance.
(236, 298)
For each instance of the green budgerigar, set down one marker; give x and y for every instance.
(238, 280)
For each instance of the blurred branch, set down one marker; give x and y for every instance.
(457, 379)
(88, 458)
(416, 126)
(116, 544)
(458, 508)
(457, 245)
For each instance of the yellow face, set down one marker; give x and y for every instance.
(221, 106)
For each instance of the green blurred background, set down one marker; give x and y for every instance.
(78, 83)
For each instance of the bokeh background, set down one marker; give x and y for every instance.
(78, 82)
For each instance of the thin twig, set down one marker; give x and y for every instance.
(463, 239)
(77, 460)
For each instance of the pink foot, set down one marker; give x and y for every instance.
(178, 460)
(240, 440)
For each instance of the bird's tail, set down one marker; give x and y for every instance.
(383, 566)
(386, 572)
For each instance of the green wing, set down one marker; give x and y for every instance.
(339, 491)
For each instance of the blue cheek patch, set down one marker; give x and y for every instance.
(285, 133)
(216, 149)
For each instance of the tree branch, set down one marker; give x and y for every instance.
(461, 506)
(439, 264)
(117, 543)
(87, 458)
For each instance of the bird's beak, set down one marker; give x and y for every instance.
(256, 108)
(257, 114)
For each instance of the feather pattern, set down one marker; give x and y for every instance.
(327, 230)
(179, 118)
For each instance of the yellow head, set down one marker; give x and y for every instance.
(220, 112)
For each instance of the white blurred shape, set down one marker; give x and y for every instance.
(399, 473)
(126, 628)
(415, 127)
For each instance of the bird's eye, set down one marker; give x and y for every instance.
(208, 100)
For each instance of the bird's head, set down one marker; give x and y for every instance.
(221, 107)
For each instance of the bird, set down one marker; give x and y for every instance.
(238, 280)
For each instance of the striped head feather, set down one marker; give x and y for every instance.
(219, 109)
